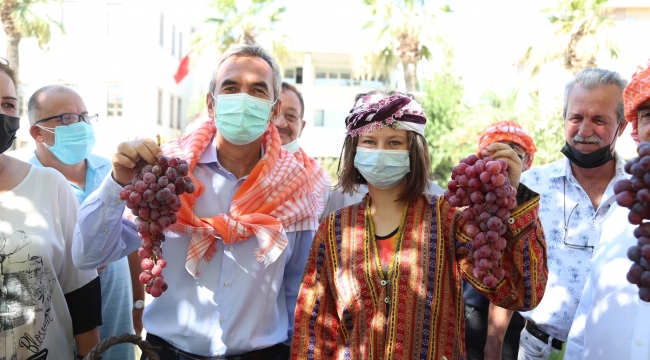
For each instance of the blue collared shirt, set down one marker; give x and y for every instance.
(236, 305)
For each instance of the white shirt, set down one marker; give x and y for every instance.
(611, 321)
(567, 267)
(236, 305)
(37, 220)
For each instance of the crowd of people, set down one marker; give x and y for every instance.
(269, 261)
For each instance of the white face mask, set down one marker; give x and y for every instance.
(292, 146)
(382, 169)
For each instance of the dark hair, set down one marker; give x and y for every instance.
(248, 50)
(416, 181)
(11, 73)
(290, 87)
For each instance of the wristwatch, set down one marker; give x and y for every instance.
(138, 305)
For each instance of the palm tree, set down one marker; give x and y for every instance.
(243, 22)
(580, 35)
(403, 29)
(20, 20)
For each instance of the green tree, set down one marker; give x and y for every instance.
(404, 31)
(580, 35)
(243, 22)
(454, 128)
(19, 19)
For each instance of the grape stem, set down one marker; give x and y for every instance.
(158, 138)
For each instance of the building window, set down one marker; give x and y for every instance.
(173, 39)
(160, 100)
(179, 107)
(114, 101)
(161, 31)
(180, 45)
(376, 81)
(319, 117)
(171, 111)
(289, 76)
(333, 77)
(321, 76)
(114, 19)
(299, 75)
(346, 77)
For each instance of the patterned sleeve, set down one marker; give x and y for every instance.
(316, 319)
(524, 259)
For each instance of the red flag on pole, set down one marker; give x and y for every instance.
(183, 68)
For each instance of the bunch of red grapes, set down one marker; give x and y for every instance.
(483, 188)
(635, 195)
(153, 198)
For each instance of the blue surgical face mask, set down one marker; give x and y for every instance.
(382, 169)
(72, 143)
(241, 118)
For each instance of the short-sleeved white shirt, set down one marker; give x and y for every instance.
(37, 220)
(564, 202)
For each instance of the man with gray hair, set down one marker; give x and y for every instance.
(576, 196)
(236, 256)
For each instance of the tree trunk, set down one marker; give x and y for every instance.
(13, 40)
(13, 33)
(409, 52)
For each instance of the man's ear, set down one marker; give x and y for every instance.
(622, 128)
(275, 111)
(302, 127)
(209, 103)
(35, 132)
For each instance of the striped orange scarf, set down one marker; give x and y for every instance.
(316, 173)
(277, 197)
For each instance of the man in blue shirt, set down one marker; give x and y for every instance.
(62, 129)
(232, 288)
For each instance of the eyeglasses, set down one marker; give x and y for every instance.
(516, 147)
(566, 224)
(70, 118)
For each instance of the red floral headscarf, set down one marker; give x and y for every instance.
(635, 94)
(508, 131)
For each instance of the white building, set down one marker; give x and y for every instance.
(329, 84)
(120, 55)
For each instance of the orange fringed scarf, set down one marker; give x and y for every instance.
(317, 174)
(277, 197)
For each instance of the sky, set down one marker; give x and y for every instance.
(488, 36)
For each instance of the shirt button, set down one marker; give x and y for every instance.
(511, 221)
(231, 249)
(383, 282)
(639, 342)
(226, 283)
(105, 229)
(119, 201)
(221, 319)
(387, 300)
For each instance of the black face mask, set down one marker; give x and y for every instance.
(8, 127)
(592, 160)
